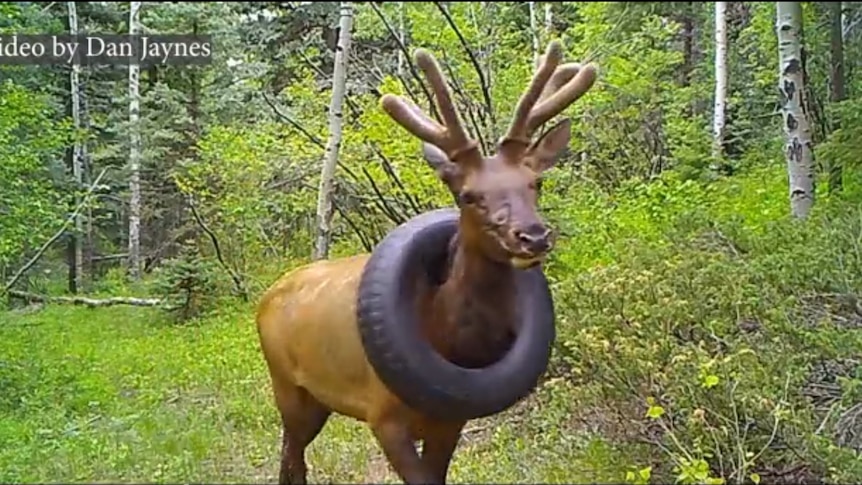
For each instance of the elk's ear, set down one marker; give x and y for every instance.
(448, 171)
(546, 150)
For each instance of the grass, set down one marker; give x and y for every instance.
(119, 395)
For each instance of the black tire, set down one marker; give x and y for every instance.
(408, 364)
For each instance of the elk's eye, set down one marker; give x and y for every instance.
(469, 197)
(501, 215)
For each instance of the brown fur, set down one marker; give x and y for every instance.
(307, 319)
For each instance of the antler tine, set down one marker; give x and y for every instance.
(451, 138)
(518, 130)
(457, 135)
(561, 76)
(408, 115)
(568, 93)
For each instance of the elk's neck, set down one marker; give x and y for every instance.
(478, 278)
(476, 308)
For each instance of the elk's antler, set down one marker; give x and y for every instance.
(451, 138)
(551, 90)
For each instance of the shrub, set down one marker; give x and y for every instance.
(187, 283)
(727, 338)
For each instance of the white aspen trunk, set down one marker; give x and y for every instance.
(134, 152)
(798, 146)
(720, 81)
(534, 30)
(77, 155)
(549, 22)
(401, 38)
(339, 77)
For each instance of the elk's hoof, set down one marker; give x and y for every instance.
(408, 364)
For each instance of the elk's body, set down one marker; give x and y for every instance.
(307, 320)
(310, 339)
(311, 342)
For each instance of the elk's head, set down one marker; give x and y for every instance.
(497, 193)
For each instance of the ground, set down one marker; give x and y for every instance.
(685, 313)
(120, 395)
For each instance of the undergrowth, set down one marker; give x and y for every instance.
(703, 335)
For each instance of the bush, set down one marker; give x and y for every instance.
(725, 337)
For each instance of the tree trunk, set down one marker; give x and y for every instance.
(401, 37)
(76, 263)
(325, 194)
(836, 83)
(688, 63)
(534, 32)
(549, 22)
(798, 146)
(720, 81)
(134, 153)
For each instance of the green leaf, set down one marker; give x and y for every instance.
(655, 412)
(645, 473)
(710, 381)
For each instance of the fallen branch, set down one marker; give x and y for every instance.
(84, 201)
(89, 302)
(109, 257)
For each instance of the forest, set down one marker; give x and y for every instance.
(707, 278)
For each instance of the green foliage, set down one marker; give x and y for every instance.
(712, 319)
(187, 284)
(31, 171)
(843, 145)
(235, 182)
(624, 129)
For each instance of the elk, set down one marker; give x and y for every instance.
(307, 321)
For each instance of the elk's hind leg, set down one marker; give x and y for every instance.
(302, 418)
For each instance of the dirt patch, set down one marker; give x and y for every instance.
(843, 310)
(378, 470)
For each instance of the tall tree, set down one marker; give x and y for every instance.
(76, 264)
(720, 109)
(339, 78)
(687, 21)
(798, 145)
(134, 152)
(836, 82)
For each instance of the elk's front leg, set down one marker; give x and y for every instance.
(393, 435)
(439, 446)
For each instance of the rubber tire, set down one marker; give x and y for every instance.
(408, 365)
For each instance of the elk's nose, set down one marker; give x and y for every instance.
(534, 238)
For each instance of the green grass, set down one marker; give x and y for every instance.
(119, 395)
